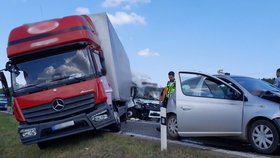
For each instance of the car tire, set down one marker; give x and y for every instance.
(172, 127)
(131, 113)
(116, 127)
(264, 137)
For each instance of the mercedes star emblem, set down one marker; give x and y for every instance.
(58, 104)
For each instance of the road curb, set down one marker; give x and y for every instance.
(234, 153)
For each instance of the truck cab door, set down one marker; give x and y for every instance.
(207, 106)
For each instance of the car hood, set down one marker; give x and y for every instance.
(271, 96)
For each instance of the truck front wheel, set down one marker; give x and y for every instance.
(43, 145)
(116, 127)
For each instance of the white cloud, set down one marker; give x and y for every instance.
(127, 7)
(126, 3)
(122, 18)
(82, 10)
(111, 3)
(146, 53)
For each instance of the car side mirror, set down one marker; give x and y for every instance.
(236, 95)
(245, 98)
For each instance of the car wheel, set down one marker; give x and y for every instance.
(131, 113)
(116, 127)
(172, 127)
(264, 137)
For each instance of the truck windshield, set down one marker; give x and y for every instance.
(151, 93)
(41, 73)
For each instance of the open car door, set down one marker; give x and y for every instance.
(207, 106)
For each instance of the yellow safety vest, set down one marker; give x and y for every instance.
(170, 88)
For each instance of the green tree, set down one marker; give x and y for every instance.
(269, 80)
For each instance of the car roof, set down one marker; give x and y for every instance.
(217, 75)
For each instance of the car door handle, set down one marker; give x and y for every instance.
(186, 108)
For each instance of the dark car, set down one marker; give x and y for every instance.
(3, 102)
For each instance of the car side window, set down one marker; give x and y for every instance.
(218, 89)
(194, 85)
(204, 86)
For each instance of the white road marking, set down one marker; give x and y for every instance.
(6, 112)
(144, 122)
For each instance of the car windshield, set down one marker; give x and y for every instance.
(152, 93)
(50, 70)
(255, 86)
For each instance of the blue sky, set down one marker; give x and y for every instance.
(240, 36)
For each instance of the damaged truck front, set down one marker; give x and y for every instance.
(68, 76)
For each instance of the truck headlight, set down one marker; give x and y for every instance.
(29, 132)
(103, 115)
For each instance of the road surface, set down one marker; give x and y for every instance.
(148, 128)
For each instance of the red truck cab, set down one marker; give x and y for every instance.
(58, 79)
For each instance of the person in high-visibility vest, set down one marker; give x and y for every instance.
(167, 91)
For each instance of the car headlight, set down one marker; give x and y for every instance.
(29, 132)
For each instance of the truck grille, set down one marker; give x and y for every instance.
(154, 107)
(45, 112)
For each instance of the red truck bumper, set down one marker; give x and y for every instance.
(101, 117)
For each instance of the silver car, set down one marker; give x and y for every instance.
(225, 105)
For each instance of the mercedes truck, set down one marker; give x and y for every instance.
(68, 75)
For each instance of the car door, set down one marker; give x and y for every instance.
(207, 106)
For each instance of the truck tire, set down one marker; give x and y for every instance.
(42, 145)
(172, 127)
(131, 113)
(264, 137)
(116, 127)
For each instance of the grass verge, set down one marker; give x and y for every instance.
(92, 145)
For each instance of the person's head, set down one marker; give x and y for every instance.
(278, 72)
(171, 75)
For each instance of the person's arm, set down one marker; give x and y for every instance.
(163, 94)
(277, 82)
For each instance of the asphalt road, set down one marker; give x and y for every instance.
(148, 128)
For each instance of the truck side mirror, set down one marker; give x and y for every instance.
(103, 71)
(9, 66)
(5, 85)
(133, 92)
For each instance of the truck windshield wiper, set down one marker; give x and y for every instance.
(71, 77)
(29, 86)
(60, 78)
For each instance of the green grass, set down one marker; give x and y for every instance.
(92, 145)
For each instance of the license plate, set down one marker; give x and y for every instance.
(63, 125)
